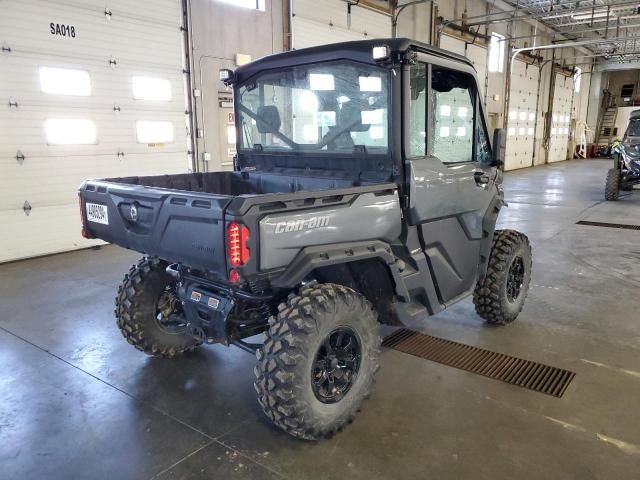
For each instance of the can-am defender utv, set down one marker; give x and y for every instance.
(365, 191)
(626, 161)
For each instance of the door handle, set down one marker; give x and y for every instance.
(481, 177)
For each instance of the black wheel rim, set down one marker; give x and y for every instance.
(515, 279)
(168, 310)
(336, 365)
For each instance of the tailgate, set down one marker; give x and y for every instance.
(184, 227)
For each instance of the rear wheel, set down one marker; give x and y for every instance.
(318, 361)
(612, 186)
(148, 311)
(500, 295)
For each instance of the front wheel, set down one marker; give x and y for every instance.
(318, 361)
(612, 186)
(499, 296)
(148, 311)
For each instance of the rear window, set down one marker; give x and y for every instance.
(633, 130)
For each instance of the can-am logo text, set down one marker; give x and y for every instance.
(298, 225)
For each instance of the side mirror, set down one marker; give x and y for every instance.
(499, 147)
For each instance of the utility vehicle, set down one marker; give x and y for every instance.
(626, 161)
(365, 191)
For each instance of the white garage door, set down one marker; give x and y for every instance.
(319, 23)
(85, 92)
(522, 116)
(560, 118)
(475, 53)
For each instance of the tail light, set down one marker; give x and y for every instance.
(83, 217)
(237, 239)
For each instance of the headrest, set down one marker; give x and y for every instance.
(271, 117)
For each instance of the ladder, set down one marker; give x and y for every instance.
(607, 125)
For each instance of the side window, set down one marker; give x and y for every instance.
(418, 111)
(452, 113)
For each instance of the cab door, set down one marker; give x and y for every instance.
(450, 182)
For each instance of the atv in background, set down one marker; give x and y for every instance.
(626, 161)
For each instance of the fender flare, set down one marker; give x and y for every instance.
(310, 258)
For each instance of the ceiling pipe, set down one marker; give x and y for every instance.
(574, 32)
(399, 9)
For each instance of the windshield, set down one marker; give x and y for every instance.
(633, 130)
(334, 107)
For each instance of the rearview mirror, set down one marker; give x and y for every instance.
(499, 147)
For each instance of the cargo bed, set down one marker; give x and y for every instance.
(182, 217)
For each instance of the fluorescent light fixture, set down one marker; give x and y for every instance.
(444, 132)
(70, 131)
(532, 116)
(370, 84)
(462, 112)
(594, 14)
(512, 115)
(376, 133)
(530, 131)
(372, 117)
(553, 130)
(151, 88)
(511, 131)
(521, 131)
(65, 81)
(154, 131)
(445, 111)
(461, 132)
(310, 133)
(309, 101)
(523, 115)
(321, 81)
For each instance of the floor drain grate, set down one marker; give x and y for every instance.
(609, 225)
(516, 371)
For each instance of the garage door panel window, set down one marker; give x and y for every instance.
(254, 4)
(452, 129)
(151, 88)
(154, 131)
(65, 81)
(70, 131)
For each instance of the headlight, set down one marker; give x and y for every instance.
(381, 52)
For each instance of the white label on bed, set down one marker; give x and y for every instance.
(97, 213)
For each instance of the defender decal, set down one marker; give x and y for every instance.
(306, 224)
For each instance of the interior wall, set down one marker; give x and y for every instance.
(219, 31)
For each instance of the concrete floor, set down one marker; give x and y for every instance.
(77, 402)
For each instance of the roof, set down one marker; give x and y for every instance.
(359, 50)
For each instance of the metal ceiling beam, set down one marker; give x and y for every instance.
(544, 17)
(576, 32)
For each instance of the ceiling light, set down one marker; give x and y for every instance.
(590, 15)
